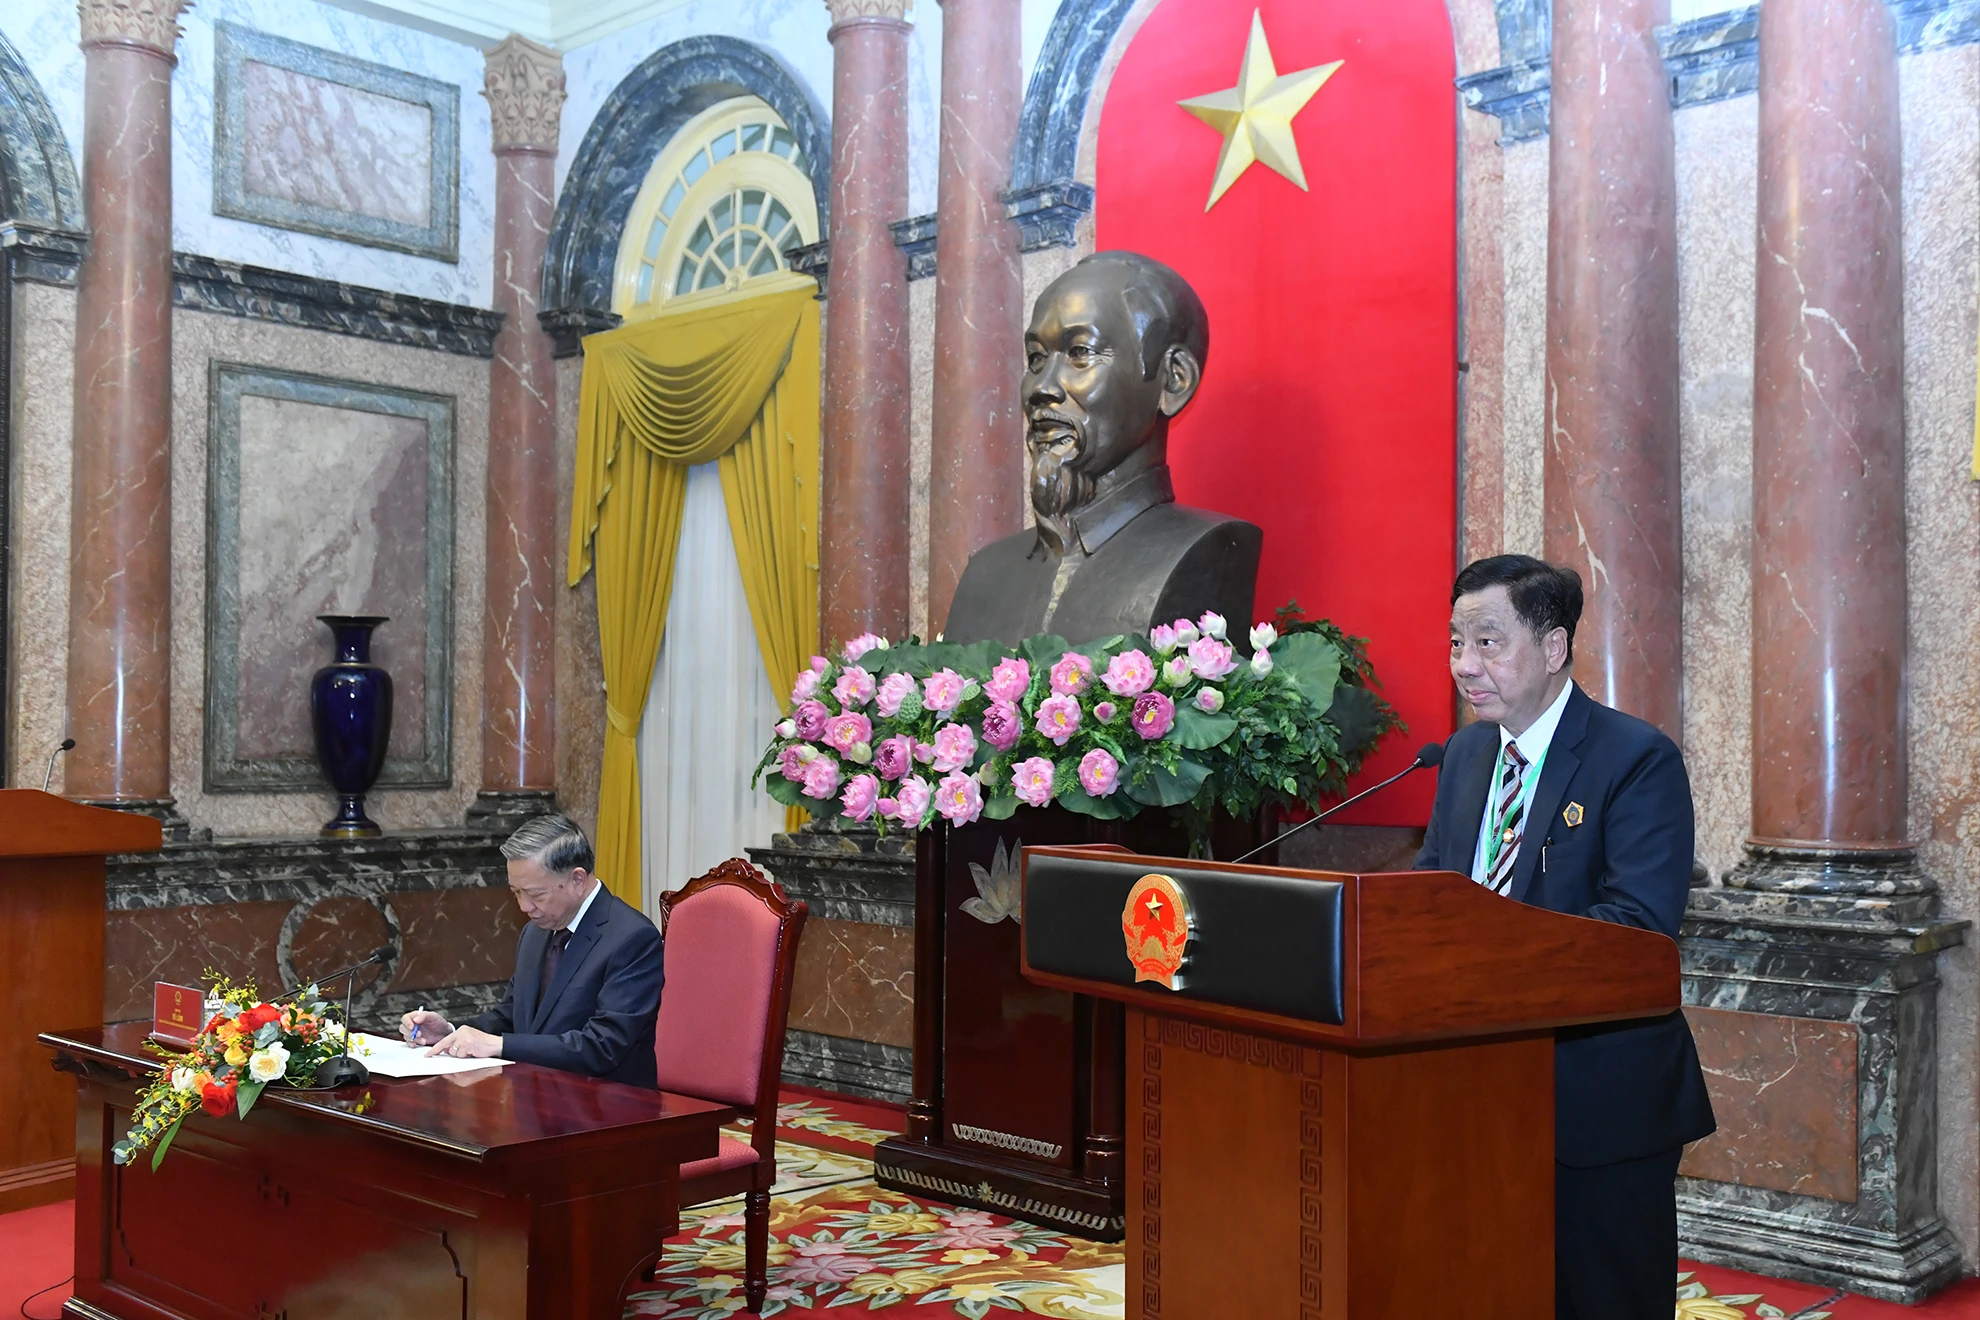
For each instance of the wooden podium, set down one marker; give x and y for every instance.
(1345, 1110)
(51, 972)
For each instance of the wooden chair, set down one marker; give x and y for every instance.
(731, 948)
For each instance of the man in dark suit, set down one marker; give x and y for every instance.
(1556, 800)
(588, 970)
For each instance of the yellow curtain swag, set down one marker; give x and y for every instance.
(735, 381)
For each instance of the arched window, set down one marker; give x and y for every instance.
(724, 204)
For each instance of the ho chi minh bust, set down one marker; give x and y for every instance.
(1115, 349)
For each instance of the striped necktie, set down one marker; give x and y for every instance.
(1508, 821)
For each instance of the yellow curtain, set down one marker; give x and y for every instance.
(736, 381)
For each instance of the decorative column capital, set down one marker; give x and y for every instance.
(524, 84)
(152, 23)
(848, 11)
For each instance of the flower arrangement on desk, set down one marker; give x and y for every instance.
(900, 734)
(241, 1050)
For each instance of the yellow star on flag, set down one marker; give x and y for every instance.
(1256, 116)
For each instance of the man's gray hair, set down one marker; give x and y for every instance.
(553, 841)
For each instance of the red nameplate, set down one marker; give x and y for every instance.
(176, 1013)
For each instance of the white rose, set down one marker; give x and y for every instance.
(265, 1065)
(1262, 636)
(1261, 663)
(182, 1080)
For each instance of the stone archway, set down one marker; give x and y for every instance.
(634, 125)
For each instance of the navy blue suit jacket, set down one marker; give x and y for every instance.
(597, 1016)
(1625, 1090)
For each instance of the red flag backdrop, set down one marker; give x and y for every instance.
(1328, 414)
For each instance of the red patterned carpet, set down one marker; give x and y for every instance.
(841, 1242)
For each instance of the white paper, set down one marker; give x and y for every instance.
(395, 1058)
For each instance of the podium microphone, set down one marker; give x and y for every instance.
(342, 1069)
(1432, 755)
(68, 744)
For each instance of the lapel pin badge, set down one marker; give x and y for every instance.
(1573, 815)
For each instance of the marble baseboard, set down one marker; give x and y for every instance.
(279, 910)
(1905, 1267)
(850, 1067)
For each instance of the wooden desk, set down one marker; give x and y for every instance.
(507, 1192)
(51, 971)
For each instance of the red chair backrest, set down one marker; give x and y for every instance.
(731, 947)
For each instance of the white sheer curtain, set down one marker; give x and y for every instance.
(709, 713)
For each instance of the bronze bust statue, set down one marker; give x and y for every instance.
(1116, 348)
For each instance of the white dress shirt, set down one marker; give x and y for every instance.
(1533, 746)
(584, 907)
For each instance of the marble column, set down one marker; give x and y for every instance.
(1819, 956)
(1829, 608)
(524, 84)
(120, 551)
(1611, 465)
(863, 524)
(976, 452)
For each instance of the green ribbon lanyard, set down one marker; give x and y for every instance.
(1532, 777)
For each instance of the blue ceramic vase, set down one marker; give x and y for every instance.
(350, 702)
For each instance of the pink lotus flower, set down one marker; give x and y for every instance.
(1099, 773)
(924, 752)
(787, 728)
(894, 689)
(1032, 778)
(1211, 625)
(821, 778)
(843, 732)
(942, 691)
(1185, 632)
(806, 686)
(1058, 718)
(1072, 675)
(1009, 681)
(1163, 638)
(1105, 712)
(975, 1235)
(854, 688)
(959, 798)
(1261, 663)
(1176, 671)
(1129, 674)
(1262, 636)
(1154, 715)
(861, 798)
(894, 757)
(863, 643)
(790, 762)
(811, 718)
(909, 805)
(824, 1262)
(955, 746)
(1002, 724)
(1209, 700)
(1210, 658)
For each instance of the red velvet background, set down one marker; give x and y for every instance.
(1328, 414)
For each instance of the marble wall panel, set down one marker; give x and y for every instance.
(456, 937)
(43, 360)
(580, 665)
(200, 339)
(855, 980)
(1717, 161)
(1940, 107)
(1784, 1092)
(329, 497)
(179, 944)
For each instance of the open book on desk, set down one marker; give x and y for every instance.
(395, 1058)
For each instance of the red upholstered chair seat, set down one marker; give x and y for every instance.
(729, 1154)
(731, 948)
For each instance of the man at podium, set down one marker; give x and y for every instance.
(1553, 799)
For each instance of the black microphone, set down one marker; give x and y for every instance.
(68, 745)
(343, 1070)
(377, 955)
(1431, 756)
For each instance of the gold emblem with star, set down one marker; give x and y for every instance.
(1156, 927)
(1256, 116)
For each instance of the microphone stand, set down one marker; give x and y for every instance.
(343, 1070)
(1432, 754)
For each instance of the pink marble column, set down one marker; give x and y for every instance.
(1611, 466)
(1829, 616)
(120, 552)
(863, 524)
(976, 459)
(524, 84)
